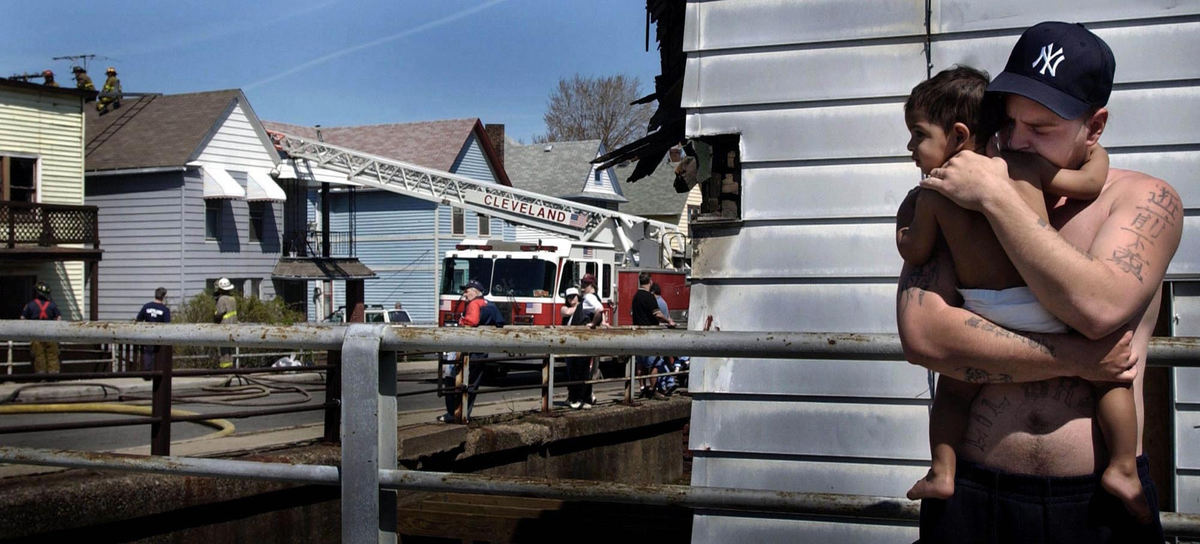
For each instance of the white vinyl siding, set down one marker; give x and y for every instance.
(815, 89)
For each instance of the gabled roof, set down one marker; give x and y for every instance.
(153, 131)
(559, 169)
(432, 144)
(653, 195)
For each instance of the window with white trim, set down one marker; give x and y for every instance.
(18, 178)
(485, 226)
(458, 222)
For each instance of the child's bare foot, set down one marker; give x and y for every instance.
(934, 485)
(1123, 483)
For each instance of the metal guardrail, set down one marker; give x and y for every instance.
(368, 414)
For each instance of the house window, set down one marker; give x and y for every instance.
(212, 219)
(485, 226)
(256, 220)
(18, 179)
(458, 222)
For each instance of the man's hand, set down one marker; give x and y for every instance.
(971, 179)
(1117, 364)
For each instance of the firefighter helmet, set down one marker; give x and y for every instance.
(42, 288)
(224, 284)
(111, 70)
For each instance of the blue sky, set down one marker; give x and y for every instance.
(343, 62)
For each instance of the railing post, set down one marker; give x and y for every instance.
(333, 395)
(547, 383)
(160, 430)
(630, 368)
(368, 436)
(460, 388)
(10, 356)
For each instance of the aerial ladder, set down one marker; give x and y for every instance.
(645, 242)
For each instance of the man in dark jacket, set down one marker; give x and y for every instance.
(43, 352)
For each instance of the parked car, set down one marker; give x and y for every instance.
(375, 313)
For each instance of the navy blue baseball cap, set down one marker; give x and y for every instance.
(1062, 66)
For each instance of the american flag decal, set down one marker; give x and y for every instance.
(578, 220)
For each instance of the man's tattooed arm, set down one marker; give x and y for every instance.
(1033, 340)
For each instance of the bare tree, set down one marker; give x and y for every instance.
(584, 108)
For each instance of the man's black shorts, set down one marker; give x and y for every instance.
(996, 507)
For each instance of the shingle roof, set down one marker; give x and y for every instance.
(154, 130)
(561, 171)
(651, 195)
(432, 144)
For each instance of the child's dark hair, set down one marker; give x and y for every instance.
(958, 95)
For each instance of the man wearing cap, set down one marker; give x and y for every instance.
(1031, 451)
(471, 317)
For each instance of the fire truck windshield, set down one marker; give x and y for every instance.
(504, 277)
(457, 271)
(523, 278)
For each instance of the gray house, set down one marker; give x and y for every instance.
(562, 170)
(185, 196)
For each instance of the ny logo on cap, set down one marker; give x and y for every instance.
(1049, 59)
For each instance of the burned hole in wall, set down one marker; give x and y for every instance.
(715, 164)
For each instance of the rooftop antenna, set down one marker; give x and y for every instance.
(81, 60)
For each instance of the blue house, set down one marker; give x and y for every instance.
(185, 195)
(402, 238)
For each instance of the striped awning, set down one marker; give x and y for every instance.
(219, 184)
(260, 187)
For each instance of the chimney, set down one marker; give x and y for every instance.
(495, 133)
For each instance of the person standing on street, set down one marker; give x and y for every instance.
(579, 367)
(154, 311)
(43, 352)
(472, 316)
(646, 313)
(225, 314)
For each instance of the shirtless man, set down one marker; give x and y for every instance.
(1032, 452)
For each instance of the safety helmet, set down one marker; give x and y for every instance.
(111, 70)
(77, 69)
(47, 73)
(224, 284)
(42, 288)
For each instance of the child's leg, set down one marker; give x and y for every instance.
(947, 425)
(1117, 417)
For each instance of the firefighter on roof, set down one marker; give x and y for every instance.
(110, 94)
(82, 80)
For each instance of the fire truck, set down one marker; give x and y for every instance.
(525, 279)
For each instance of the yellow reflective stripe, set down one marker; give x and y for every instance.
(229, 314)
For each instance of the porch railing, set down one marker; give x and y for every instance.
(24, 223)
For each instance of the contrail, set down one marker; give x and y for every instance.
(373, 43)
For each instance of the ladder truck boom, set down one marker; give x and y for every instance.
(627, 233)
